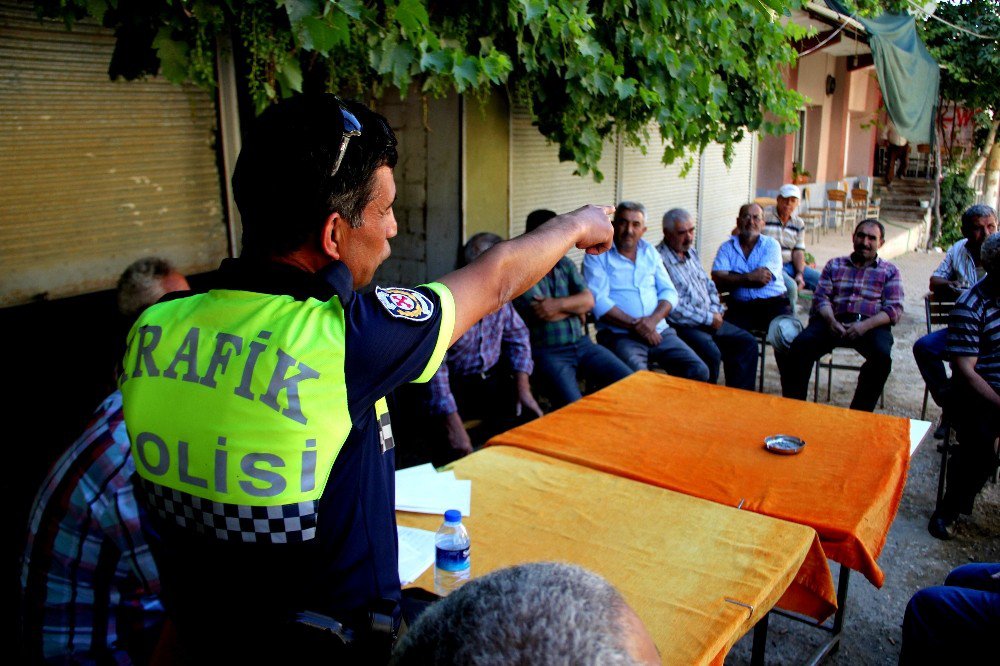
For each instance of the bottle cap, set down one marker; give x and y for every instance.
(453, 516)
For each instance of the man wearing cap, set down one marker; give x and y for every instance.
(257, 413)
(783, 225)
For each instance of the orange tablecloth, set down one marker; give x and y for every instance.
(675, 558)
(708, 441)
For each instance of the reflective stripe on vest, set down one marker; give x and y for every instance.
(237, 409)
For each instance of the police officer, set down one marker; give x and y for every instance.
(256, 409)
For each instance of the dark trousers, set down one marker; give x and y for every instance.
(559, 369)
(756, 315)
(896, 154)
(977, 424)
(671, 354)
(491, 399)
(817, 340)
(930, 355)
(730, 345)
(954, 623)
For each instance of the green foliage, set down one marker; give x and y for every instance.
(703, 71)
(969, 64)
(956, 196)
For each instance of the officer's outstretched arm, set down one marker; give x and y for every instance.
(508, 269)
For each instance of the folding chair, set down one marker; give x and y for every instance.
(813, 219)
(859, 204)
(836, 206)
(830, 365)
(936, 311)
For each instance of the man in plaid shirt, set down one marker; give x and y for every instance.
(858, 299)
(562, 352)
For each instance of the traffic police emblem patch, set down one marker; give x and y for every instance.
(405, 303)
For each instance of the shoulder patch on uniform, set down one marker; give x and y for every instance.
(405, 303)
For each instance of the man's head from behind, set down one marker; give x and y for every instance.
(292, 175)
(990, 255)
(630, 224)
(478, 244)
(749, 222)
(537, 218)
(145, 282)
(539, 613)
(978, 222)
(678, 230)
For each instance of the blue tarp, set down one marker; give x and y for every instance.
(907, 73)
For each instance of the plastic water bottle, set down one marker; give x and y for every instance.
(452, 564)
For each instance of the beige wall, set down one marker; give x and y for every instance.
(486, 160)
(775, 153)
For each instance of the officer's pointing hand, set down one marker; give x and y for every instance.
(596, 232)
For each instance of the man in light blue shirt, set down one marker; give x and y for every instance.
(748, 266)
(633, 295)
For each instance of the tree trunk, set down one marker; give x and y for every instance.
(937, 223)
(984, 154)
(991, 189)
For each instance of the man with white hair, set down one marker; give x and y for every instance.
(783, 225)
(974, 348)
(539, 613)
(697, 317)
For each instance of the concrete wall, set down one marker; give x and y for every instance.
(836, 146)
(428, 188)
(775, 154)
(486, 159)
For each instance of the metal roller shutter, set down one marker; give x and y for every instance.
(645, 179)
(96, 173)
(724, 190)
(540, 180)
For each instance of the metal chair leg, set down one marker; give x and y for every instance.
(923, 410)
(945, 448)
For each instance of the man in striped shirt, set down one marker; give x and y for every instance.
(697, 318)
(960, 269)
(974, 348)
(858, 300)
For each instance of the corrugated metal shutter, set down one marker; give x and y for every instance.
(540, 180)
(725, 190)
(645, 179)
(95, 173)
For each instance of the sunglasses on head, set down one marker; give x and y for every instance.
(352, 128)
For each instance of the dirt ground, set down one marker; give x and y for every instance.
(911, 559)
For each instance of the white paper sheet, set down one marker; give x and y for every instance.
(423, 490)
(918, 430)
(416, 553)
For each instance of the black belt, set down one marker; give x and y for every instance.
(849, 317)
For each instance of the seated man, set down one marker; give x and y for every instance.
(954, 623)
(748, 265)
(562, 352)
(974, 348)
(633, 295)
(858, 298)
(697, 317)
(960, 269)
(474, 383)
(784, 226)
(89, 586)
(539, 613)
